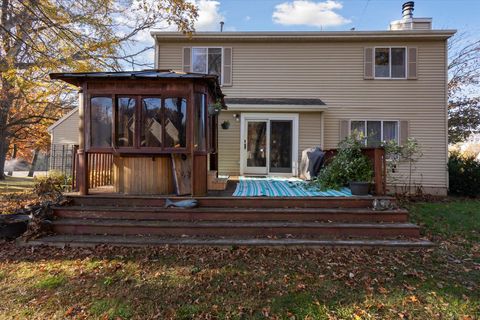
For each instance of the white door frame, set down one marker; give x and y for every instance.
(268, 117)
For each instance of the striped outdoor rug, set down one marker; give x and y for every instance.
(282, 187)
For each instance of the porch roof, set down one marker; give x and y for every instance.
(76, 78)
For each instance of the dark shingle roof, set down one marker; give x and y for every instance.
(76, 78)
(275, 101)
(149, 74)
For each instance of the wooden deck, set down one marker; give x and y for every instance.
(221, 219)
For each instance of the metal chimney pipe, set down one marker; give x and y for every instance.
(221, 26)
(407, 9)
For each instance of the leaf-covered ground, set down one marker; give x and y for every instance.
(248, 283)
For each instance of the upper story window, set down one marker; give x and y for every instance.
(391, 62)
(375, 132)
(207, 60)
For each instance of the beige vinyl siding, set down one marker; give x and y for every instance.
(67, 131)
(309, 131)
(334, 72)
(309, 135)
(229, 145)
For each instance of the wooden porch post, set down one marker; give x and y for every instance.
(82, 169)
(379, 170)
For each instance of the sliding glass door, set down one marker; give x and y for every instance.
(256, 146)
(268, 144)
(280, 155)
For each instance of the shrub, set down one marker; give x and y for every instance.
(464, 175)
(51, 186)
(349, 164)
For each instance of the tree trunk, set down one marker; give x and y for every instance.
(34, 163)
(14, 156)
(3, 157)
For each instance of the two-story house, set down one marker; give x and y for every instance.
(288, 91)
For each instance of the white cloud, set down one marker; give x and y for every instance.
(310, 13)
(209, 15)
(248, 18)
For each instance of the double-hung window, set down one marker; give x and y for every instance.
(391, 63)
(208, 61)
(375, 132)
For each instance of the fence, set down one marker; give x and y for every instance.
(61, 158)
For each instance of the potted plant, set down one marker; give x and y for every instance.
(361, 178)
(225, 125)
(215, 108)
(349, 167)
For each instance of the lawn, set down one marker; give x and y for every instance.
(15, 184)
(254, 283)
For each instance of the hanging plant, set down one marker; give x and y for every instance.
(225, 125)
(215, 108)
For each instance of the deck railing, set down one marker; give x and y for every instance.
(100, 170)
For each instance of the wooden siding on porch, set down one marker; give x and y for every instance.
(143, 175)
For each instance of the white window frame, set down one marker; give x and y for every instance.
(381, 128)
(206, 66)
(390, 62)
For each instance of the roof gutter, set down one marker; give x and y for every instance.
(270, 36)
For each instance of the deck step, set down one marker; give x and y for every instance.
(233, 214)
(138, 241)
(230, 202)
(234, 228)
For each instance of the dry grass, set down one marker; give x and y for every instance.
(244, 283)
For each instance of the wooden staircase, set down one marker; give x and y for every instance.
(91, 220)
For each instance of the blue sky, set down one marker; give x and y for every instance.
(317, 15)
(253, 15)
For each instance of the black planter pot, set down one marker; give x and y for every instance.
(359, 188)
(213, 111)
(225, 125)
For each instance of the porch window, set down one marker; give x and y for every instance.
(175, 122)
(125, 124)
(101, 122)
(151, 122)
(199, 122)
(207, 60)
(390, 63)
(375, 132)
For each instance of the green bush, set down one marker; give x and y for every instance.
(349, 164)
(464, 175)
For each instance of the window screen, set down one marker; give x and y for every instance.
(152, 122)
(382, 62)
(398, 62)
(199, 123)
(175, 122)
(125, 121)
(101, 122)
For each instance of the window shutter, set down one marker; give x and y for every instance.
(368, 64)
(412, 63)
(187, 58)
(227, 66)
(344, 129)
(404, 132)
